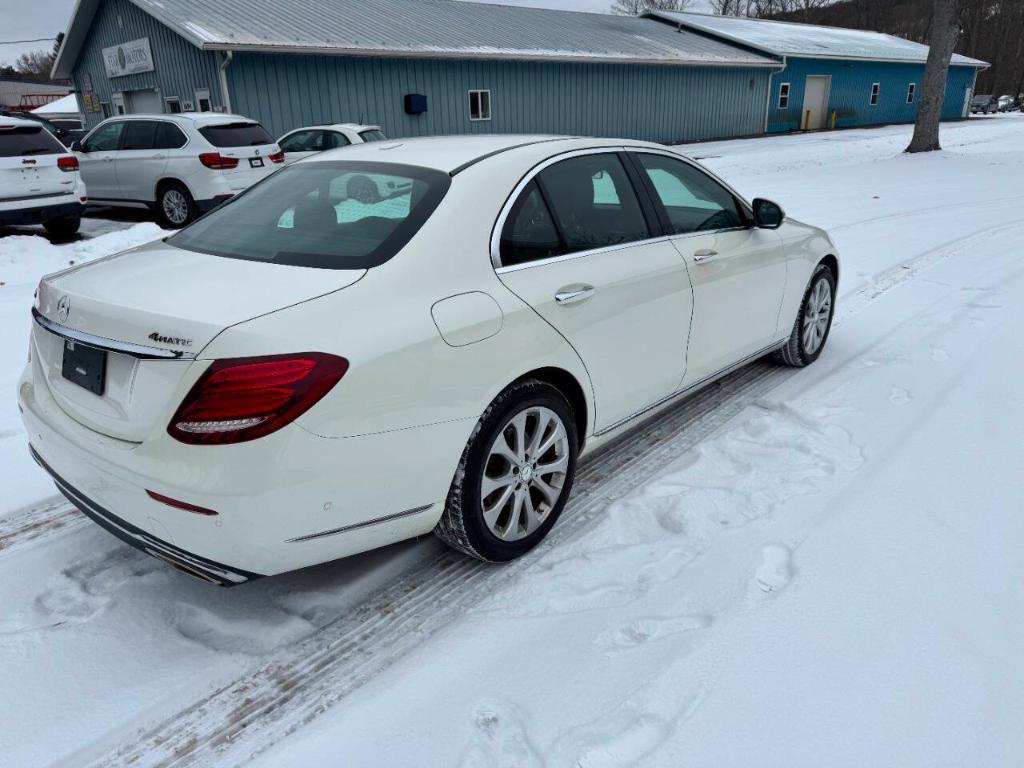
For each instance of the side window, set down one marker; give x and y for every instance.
(169, 136)
(335, 140)
(693, 201)
(875, 87)
(593, 202)
(910, 92)
(140, 134)
(479, 105)
(529, 233)
(304, 141)
(783, 95)
(106, 138)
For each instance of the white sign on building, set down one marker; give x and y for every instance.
(128, 58)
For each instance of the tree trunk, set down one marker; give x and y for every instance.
(945, 28)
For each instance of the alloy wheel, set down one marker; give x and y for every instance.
(175, 206)
(817, 315)
(525, 473)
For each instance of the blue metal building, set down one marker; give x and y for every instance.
(831, 77)
(415, 67)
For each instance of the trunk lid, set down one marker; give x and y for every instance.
(247, 142)
(161, 297)
(28, 164)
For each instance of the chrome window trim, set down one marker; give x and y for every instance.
(506, 209)
(141, 351)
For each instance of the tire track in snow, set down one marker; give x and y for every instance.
(37, 521)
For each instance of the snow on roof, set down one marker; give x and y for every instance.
(785, 38)
(65, 105)
(423, 28)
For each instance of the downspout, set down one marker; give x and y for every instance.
(225, 62)
(768, 104)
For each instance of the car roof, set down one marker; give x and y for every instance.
(452, 154)
(189, 118)
(335, 126)
(18, 122)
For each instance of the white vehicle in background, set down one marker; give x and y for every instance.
(306, 142)
(300, 375)
(39, 179)
(1006, 103)
(178, 165)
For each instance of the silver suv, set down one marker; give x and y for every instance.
(178, 165)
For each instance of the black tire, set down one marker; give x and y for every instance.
(462, 524)
(172, 199)
(63, 228)
(795, 353)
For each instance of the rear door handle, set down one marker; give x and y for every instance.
(157, 157)
(571, 294)
(704, 254)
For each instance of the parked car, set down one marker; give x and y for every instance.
(178, 165)
(1006, 103)
(987, 105)
(39, 179)
(57, 131)
(300, 376)
(72, 128)
(305, 142)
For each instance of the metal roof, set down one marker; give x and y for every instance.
(421, 28)
(785, 38)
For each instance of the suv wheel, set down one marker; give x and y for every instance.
(63, 228)
(174, 206)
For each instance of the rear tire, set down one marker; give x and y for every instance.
(174, 206)
(63, 228)
(524, 447)
(813, 321)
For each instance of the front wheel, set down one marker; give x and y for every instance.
(515, 474)
(813, 321)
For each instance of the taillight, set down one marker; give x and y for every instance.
(245, 398)
(277, 157)
(217, 161)
(67, 163)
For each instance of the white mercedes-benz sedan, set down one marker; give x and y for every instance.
(301, 374)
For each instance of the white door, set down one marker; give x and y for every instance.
(738, 272)
(816, 89)
(117, 100)
(96, 160)
(139, 164)
(589, 266)
(144, 102)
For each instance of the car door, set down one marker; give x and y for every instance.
(738, 271)
(140, 164)
(578, 247)
(96, 160)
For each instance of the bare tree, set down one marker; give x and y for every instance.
(942, 34)
(637, 7)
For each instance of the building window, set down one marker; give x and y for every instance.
(874, 94)
(910, 92)
(203, 100)
(105, 109)
(784, 96)
(479, 105)
(172, 105)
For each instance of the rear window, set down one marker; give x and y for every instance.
(328, 215)
(372, 135)
(30, 140)
(236, 135)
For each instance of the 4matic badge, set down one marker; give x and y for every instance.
(173, 340)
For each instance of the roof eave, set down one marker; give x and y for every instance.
(454, 54)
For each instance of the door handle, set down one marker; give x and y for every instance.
(704, 254)
(571, 294)
(157, 157)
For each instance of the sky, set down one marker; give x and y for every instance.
(45, 18)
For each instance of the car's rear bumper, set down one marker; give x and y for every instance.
(194, 565)
(40, 214)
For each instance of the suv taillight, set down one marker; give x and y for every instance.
(217, 161)
(277, 157)
(67, 163)
(245, 398)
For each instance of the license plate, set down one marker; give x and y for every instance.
(256, 162)
(84, 366)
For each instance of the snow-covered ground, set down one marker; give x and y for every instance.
(804, 568)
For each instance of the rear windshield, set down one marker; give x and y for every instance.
(329, 215)
(28, 141)
(236, 135)
(372, 135)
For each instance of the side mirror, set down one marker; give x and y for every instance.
(76, 146)
(767, 215)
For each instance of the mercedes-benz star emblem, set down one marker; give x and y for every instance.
(63, 309)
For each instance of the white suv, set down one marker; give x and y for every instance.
(179, 165)
(39, 180)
